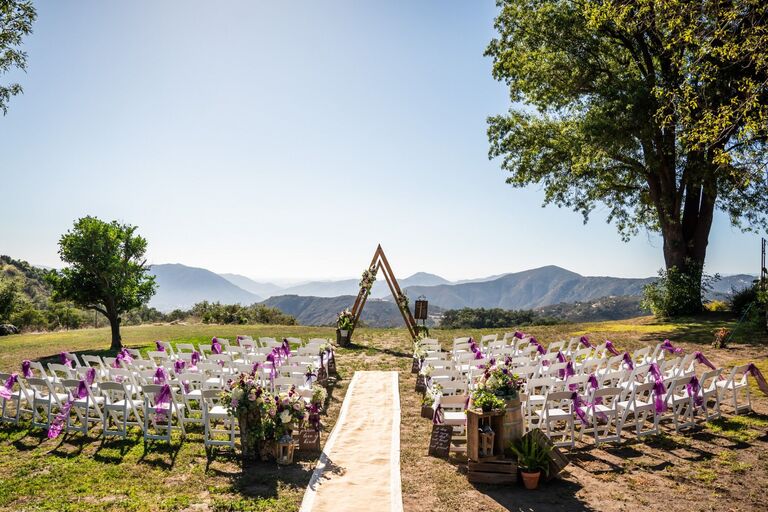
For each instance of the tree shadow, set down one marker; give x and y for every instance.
(119, 446)
(155, 452)
(557, 494)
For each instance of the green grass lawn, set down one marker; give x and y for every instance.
(78, 473)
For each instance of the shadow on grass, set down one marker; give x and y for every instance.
(557, 494)
(112, 450)
(371, 350)
(155, 453)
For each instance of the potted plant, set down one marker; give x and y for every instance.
(486, 400)
(427, 406)
(344, 322)
(532, 459)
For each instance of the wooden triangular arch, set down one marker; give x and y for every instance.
(379, 262)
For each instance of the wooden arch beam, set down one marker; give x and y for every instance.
(380, 262)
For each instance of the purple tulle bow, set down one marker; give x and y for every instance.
(57, 425)
(703, 360)
(272, 368)
(694, 388)
(160, 376)
(194, 358)
(519, 335)
(628, 361)
(90, 376)
(178, 366)
(239, 339)
(26, 369)
(567, 373)
(577, 407)
(66, 361)
(163, 399)
(123, 356)
(159, 346)
(561, 357)
(7, 388)
(473, 347)
(539, 348)
(667, 345)
(585, 341)
(655, 372)
(753, 370)
(286, 348)
(610, 348)
(308, 376)
(255, 368)
(438, 416)
(215, 346)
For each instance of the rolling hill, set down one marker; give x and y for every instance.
(256, 287)
(323, 310)
(352, 286)
(180, 286)
(528, 289)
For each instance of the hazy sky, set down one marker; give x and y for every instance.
(287, 139)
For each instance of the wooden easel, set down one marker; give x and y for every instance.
(379, 262)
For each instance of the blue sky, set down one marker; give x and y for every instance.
(283, 140)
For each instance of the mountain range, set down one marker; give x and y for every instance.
(546, 288)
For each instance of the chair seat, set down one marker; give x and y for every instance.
(194, 394)
(96, 399)
(123, 403)
(454, 418)
(218, 411)
(554, 413)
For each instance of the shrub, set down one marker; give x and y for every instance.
(743, 299)
(716, 305)
(677, 292)
(480, 318)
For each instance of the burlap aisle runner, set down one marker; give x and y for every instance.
(359, 468)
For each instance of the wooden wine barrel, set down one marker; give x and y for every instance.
(513, 422)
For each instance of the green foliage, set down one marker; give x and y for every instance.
(8, 299)
(716, 306)
(217, 313)
(479, 318)
(743, 299)
(16, 18)
(531, 456)
(653, 110)
(486, 400)
(107, 271)
(677, 292)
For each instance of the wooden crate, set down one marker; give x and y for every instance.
(492, 472)
(474, 420)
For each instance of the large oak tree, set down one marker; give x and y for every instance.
(656, 109)
(106, 270)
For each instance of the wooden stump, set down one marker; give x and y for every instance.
(513, 423)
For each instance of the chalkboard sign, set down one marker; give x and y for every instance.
(440, 442)
(421, 384)
(309, 440)
(415, 367)
(332, 366)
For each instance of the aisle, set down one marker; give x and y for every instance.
(359, 468)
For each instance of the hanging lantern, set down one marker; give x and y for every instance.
(420, 308)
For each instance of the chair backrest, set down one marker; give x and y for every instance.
(167, 346)
(643, 392)
(93, 362)
(40, 387)
(609, 396)
(641, 355)
(489, 338)
(709, 380)
(184, 348)
(556, 346)
(248, 344)
(581, 353)
(135, 353)
(60, 371)
(559, 399)
(157, 357)
(295, 341)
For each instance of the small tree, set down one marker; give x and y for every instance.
(8, 299)
(107, 271)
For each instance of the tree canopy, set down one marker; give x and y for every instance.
(655, 109)
(106, 270)
(16, 20)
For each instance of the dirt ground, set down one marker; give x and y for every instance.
(717, 466)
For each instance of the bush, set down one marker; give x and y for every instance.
(217, 313)
(743, 299)
(677, 292)
(716, 305)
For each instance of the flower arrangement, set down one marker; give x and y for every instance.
(319, 395)
(721, 337)
(402, 301)
(367, 279)
(289, 411)
(500, 380)
(246, 398)
(344, 320)
(419, 351)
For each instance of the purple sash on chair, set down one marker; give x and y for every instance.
(90, 376)
(585, 341)
(66, 361)
(628, 361)
(215, 346)
(609, 346)
(26, 369)
(159, 346)
(669, 347)
(755, 372)
(7, 388)
(160, 376)
(58, 422)
(703, 360)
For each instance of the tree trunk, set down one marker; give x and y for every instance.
(114, 323)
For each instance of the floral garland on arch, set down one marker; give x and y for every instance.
(402, 301)
(367, 279)
(344, 320)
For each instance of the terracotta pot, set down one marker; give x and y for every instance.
(530, 479)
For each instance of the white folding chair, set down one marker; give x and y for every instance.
(217, 420)
(158, 420)
(11, 414)
(192, 385)
(557, 418)
(121, 409)
(46, 398)
(641, 407)
(679, 403)
(604, 415)
(710, 393)
(737, 385)
(60, 371)
(86, 409)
